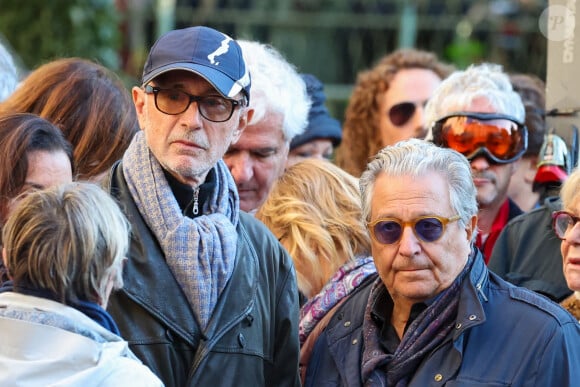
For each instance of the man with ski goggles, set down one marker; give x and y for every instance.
(477, 113)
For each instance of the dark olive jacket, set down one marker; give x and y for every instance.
(252, 337)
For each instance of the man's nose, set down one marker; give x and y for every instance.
(241, 167)
(479, 163)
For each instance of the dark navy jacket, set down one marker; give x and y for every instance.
(503, 336)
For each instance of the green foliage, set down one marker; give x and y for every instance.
(42, 30)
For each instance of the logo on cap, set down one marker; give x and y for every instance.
(221, 50)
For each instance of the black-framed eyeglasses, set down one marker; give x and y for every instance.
(427, 228)
(499, 137)
(213, 108)
(562, 222)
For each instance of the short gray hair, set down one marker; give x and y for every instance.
(485, 80)
(417, 158)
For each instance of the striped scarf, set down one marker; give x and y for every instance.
(200, 252)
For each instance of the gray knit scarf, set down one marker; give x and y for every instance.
(200, 252)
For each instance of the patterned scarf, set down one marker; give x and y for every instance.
(343, 282)
(427, 331)
(200, 252)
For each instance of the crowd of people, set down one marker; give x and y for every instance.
(216, 225)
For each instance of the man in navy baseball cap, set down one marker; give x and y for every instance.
(209, 53)
(205, 283)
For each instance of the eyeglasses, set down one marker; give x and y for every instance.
(427, 228)
(562, 222)
(498, 136)
(212, 107)
(401, 113)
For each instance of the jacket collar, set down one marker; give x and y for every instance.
(146, 260)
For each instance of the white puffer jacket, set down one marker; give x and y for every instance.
(45, 343)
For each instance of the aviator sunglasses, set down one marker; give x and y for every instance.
(401, 113)
(427, 228)
(499, 137)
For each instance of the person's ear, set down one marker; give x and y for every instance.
(471, 227)
(139, 97)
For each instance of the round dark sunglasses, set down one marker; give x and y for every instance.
(427, 228)
(401, 113)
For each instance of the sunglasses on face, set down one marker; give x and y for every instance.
(562, 222)
(387, 231)
(401, 113)
(499, 137)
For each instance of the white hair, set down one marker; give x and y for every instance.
(276, 87)
(461, 88)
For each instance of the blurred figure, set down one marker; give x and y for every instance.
(314, 210)
(565, 226)
(387, 105)
(532, 91)
(33, 155)
(88, 102)
(527, 252)
(280, 104)
(477, 113)
(8, 73)
(323, 132)
(64, 259)
(435, 315)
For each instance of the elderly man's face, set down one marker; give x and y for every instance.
(257, 160)
(186, 145)
(408, 85)
(414, 270)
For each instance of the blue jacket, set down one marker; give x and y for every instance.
(504, 336)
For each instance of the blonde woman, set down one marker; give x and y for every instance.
(314, 210)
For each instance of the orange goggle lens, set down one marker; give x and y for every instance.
(498, 137)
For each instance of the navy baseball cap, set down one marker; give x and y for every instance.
(204, 51)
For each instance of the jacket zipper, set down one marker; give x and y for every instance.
(195, 208)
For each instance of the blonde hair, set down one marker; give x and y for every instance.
(70, 240)
(314, 209)
(570, 189)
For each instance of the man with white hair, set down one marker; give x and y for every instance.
(477, 113)
(280, 105)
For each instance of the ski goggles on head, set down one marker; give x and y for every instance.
(499, 137)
